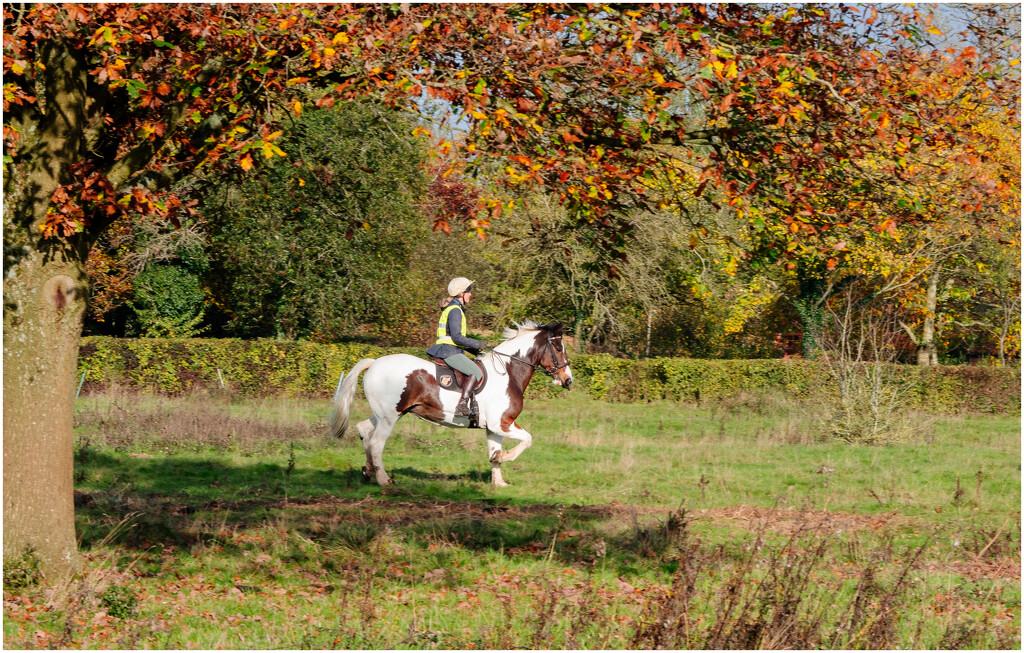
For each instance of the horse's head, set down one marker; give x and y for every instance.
(553, 359)
(540, 347)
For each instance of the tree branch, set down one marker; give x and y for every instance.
(139, 157)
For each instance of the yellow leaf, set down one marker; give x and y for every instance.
(273, 135)
(340, 38)
(478, 115)
(934, 30)
(245, 162)
(297, 107)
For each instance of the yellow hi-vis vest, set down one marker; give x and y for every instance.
(442, 326)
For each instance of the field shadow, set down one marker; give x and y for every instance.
(180, 501)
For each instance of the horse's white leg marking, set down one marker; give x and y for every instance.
(494, 454)
(493, 446)
(516, 432)
(496, 478)
(364, 428)
(375, 448)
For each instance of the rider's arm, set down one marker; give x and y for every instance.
(458, 337)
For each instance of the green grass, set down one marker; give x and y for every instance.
(237, 524)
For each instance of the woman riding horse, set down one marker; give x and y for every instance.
(401, 384)
(452, 340)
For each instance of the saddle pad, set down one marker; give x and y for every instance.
(451, 379)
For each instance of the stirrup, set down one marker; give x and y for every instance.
(464, 408)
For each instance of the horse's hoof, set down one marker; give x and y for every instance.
(500, 484)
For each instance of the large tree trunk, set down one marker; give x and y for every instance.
(44, 300)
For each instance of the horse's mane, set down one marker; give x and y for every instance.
(518, 328)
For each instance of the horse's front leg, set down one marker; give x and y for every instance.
(494, 454)
(516, 432)
(497, 456)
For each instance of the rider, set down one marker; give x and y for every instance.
(452, 339)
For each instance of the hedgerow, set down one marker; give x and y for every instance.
(303, 369)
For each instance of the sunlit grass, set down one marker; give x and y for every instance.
(240, 525)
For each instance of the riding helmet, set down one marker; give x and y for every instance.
(459, 285)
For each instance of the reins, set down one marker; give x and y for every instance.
(554, 357)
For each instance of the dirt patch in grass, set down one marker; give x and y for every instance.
(321, 511)
(789, 521)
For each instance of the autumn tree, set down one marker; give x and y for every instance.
(107, 104)
(317, 245)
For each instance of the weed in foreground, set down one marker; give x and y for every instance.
(21, 571)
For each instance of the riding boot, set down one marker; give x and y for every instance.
(464, 409)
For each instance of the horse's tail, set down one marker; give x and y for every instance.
(343, 397)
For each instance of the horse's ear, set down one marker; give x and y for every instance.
(554, 328)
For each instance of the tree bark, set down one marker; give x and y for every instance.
(926, 352)
(45, 287)
(44, 300)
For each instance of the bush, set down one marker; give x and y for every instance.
(304, 369)
(21, 571)
(168, 302)
(120, 602)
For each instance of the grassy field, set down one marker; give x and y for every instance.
(212, 523)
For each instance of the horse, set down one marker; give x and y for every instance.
(397, 384)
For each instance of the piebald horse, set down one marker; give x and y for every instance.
(399, 383)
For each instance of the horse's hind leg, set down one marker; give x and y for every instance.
(364, 428)
(373, 446)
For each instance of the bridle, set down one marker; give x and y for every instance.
(554, 356)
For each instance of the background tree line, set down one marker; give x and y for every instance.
(334, 242)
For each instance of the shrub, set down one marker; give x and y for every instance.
(257, 368)
(21, 571)
(120, 602)
(168, 302)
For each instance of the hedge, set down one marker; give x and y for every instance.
(303, 369)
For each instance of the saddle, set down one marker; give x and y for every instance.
(452, 379)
